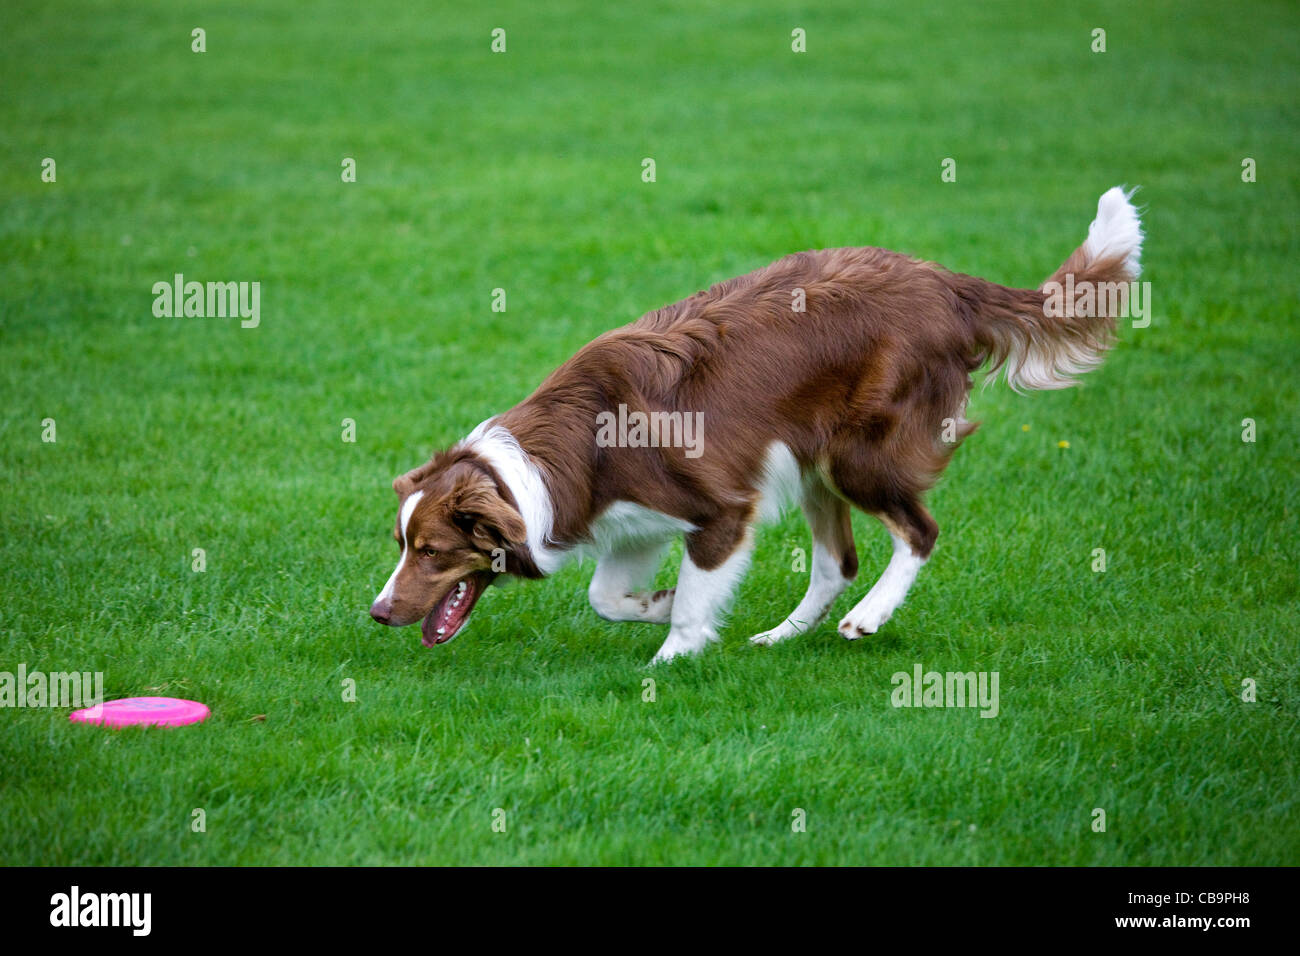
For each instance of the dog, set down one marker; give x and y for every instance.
(836, 378)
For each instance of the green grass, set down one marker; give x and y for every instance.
(1119, 690)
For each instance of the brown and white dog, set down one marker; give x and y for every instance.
(855, 399)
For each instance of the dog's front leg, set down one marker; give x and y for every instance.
(617, 591)
(705, 586)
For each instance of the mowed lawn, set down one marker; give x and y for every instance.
(1120, 690)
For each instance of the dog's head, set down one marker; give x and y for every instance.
(457, 528)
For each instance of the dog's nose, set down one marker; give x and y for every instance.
(381, 611)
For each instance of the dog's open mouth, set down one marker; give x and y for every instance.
(450, 614)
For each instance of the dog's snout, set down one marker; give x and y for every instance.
(382, 611)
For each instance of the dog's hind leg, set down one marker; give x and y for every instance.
(617, 588)
(913, 532)
(834, 561)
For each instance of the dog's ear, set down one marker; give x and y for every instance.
(486, 518)
(405, 484)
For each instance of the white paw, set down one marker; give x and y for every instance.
(645, 606)
(777, 634)
(657, 606)
(865, 619)
(679, 644)
(666, 654)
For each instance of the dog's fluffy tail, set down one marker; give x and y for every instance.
(1045, 337)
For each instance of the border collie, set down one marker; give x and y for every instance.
(833, 378)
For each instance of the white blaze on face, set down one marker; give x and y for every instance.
(408, 507)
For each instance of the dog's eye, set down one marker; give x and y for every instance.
(428, 552)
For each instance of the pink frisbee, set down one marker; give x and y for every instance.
(161, 711)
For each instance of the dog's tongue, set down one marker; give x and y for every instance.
(450, 614)
(428, 633)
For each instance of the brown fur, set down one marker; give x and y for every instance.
(858, 386)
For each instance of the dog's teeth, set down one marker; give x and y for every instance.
(441, 631)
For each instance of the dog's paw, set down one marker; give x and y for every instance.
(657, 606)
(681, 643)
(781, 632)
(863, 621)
(647, 607)
(666, 656)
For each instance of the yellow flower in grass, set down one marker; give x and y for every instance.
(1062, 444)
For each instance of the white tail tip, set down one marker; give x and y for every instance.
(1117, 231)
